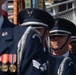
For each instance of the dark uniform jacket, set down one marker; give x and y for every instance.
(5, 41)
(6, 32)
(33, 60)
(7, 23)
(55, 62)
(57, 66)
(73, 59)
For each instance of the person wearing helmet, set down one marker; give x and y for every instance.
(28, 43)
(60, 38)
(41, 21)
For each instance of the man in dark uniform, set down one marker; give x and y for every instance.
(32, 16)
(6, 32)
(42, 29)
(6, 27)
(25, 53)
(60, 38)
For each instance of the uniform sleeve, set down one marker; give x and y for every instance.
(66, 67)
(33, 60)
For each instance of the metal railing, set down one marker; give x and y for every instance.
(68, 13)
(53, 9)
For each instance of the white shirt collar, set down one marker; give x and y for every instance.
(66, 54)
(1, 21)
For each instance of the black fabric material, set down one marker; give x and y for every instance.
(63, 25)
(51, 65)
(35, 15)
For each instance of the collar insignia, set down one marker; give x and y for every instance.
(4, 33)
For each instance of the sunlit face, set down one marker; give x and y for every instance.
(57, 41)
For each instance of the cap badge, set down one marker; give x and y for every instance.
(56, 22)
(29, 12)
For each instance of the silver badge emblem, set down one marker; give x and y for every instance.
(4, 33)
(29, 12)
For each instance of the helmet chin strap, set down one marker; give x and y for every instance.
(62, 45)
